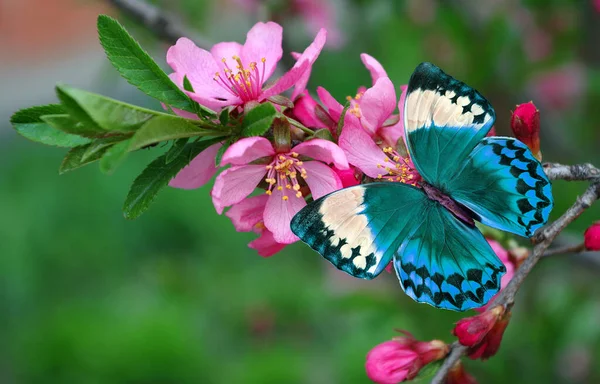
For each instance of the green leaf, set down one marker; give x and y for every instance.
(69, 125)
(258, 120)
(187, 85)
(163, 128)
(427, 372)
(74, 158)
(224, 116)
(104, 113)
(342, 117)
(137, 67)
(28, 123)
(324, 134)
(100, 145)
(221, 151)
(176, 149)
(157, 175)
(114, 156)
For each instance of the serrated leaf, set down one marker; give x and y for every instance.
(99, 145)
(324, 134)
(79, 114)
(163, 128)
(342, 118)
(69, 125)
(114, 156)
(74, 158)
(258, 120)
(109, 115)
(157, 175)
(29, 124)
(137, 67)
(177, 147)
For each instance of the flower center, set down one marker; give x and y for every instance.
(283, 172)
(245, 83)
(397, 168)
(354, 104)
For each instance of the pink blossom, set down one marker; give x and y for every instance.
(505, 258)
(483, 333)
(525, 125)
(559, 88)
(596, 5)
(247, 216)
(234, 74)
(591, 237)
(199, 171)
(288, 176)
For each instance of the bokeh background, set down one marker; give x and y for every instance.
(177, 297)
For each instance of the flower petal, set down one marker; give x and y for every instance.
(311, 53)
(263, 41)
(247, 150)
(199, 171)
(227, 51)
(321, 179)
(247, 213)
(333, 107)
(377, 104)
(373, 66)
(234, 184)
(266, 244)
(360, 149)
(323, 150)
(286, 81)
(304, 111)
(394, 132)
(279, 212)
(215, 103)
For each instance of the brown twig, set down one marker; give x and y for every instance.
(165, 26)
(542, 240)
(567, 249)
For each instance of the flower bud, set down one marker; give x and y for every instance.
(349, 177)
(525, 124)
(483, 333)
(402, 358)
(458, 375)
(591, 237)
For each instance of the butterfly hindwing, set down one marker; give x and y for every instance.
(505, 186)
(447, 263)
(444, 119)
(358, 228)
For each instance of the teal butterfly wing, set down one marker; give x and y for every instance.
(505, 186)
(444, 119)
(444, 262)
(447, 263)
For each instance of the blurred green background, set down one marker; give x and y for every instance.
(177, 297)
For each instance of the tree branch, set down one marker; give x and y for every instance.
(165, 26)
(542, 240)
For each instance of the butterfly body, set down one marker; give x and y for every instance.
(428, 231)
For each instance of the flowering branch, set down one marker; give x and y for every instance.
(164, 26)
(542, 240)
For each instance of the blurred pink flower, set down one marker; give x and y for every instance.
(247, 216)
(402, 358)
(559, 88)
(591, 237)
(286, 174)
(505, 258)
(234, 74)
(458, 375)
(596, 5)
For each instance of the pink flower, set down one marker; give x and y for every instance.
(592, 237)
(525, 124)
(458, 375)
(596, 5)
(559, 88)
(247, 216)
(289, 178)
(482, 333)
(402, 358)
(234, 74)
(199, 171)
(508, 262)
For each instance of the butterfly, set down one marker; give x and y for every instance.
(428, 231)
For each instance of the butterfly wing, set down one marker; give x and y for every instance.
(505, 186)
(444, 119)
(358, 228)
(447, 263)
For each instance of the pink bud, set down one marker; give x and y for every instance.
(482, 333)
(458, 375)
(592, 237)
(402, 358)
(349, 177)
(525, 124)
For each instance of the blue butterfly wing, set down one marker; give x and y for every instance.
(358, 228)
(439, 259)
(444, 119)
(505, 186)
(447, 263)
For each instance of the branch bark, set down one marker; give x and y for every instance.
(165, 26)
(542, 240)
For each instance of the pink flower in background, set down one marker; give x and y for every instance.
(559, 88)
(247, 216)
(505, 258)
(234, 74)
(285, 174)
(591, 237)
(596, 5)
(402, 358)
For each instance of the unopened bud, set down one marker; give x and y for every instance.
(525, 124)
